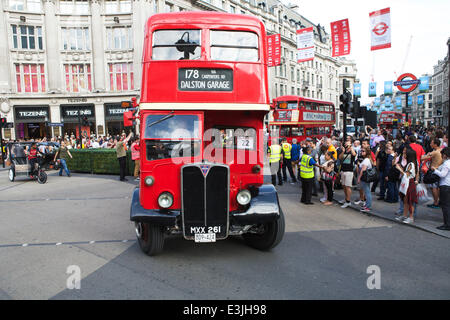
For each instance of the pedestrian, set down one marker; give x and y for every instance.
(275, 157)
(407, 190)
(121, 149)
(307, 164)
(328, 176)
(315, 155)
(366, 164)
(295, 157)
(444, 187)
(135, 156)
(347, 159)
(62, 154)
(417, 148)
(436, 160)
(391, 176)
(287, 147)
(382, 158)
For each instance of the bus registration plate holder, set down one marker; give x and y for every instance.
(205, 237)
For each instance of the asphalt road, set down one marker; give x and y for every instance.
(325, 254)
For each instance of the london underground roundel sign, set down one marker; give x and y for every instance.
(406, 82)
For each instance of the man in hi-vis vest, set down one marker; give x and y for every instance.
(307, 164)
(287, 147)
(275, 154)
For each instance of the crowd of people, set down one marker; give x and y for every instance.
(404, 167)
(61, 146)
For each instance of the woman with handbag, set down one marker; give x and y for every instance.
(407, 190)
(365, 165)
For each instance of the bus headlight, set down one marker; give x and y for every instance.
(149, 181)
(165, 200)
(243, 197)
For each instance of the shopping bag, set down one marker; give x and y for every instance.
(422, 193)
(404, 184)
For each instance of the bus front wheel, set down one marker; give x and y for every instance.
(271, 236)
(150, 238)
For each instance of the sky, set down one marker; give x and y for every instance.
(426, 21)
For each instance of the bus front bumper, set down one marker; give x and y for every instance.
(263, 208)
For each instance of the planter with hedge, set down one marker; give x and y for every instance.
(98, 161)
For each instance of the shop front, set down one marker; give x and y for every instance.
(76, 117)
(30, 122)
(114, 118)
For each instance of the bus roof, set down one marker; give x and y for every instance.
(204, 17)
(296, 98)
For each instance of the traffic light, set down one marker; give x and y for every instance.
(85, 121)
(356, 109)
(2, 122)
(346, 99)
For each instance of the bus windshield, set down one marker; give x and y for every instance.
(179, 126)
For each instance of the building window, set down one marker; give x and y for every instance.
(168, 7)
(75, 39)
(232, 9)
(30, 77)
(27, 37)
(119, 38)
(121, 76)
(25, 5)
(78, 77)
(117, 6)
(74, 7)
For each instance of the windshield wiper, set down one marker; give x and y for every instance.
(170, 115)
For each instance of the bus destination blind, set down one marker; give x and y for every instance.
(205, 79)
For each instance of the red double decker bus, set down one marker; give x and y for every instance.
(391, 119)
(300, 118)
(204, 96)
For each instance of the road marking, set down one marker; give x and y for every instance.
(62, 243)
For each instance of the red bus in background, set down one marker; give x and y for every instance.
(204, 96)
(390, 119)
(300, 118)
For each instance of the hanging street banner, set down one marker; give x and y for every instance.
(376, 102)
(420, 99)
(273, 50)
(340, 36)
(398, 101)
(388, 88)
(305, 44)
(387, 101)
(424, 85)
(372, 89)
(357, 90)
(380, 29)
(409, 101)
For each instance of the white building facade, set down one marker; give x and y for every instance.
(61, 59)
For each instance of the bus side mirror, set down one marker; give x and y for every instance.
(128, 119)
(273, 105)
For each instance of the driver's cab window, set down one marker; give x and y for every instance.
(240, 138)
(176, 44)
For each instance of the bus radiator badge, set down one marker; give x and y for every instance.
(205, 168)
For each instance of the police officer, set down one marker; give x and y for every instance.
(287, 147)
(307, 164)
(275, 157)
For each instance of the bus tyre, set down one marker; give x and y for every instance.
(150, 238)
(42, 177)
(11, 174)
(271, 237)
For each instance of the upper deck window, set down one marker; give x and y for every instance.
(292, 105)
(234, 46)
(176, 44)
